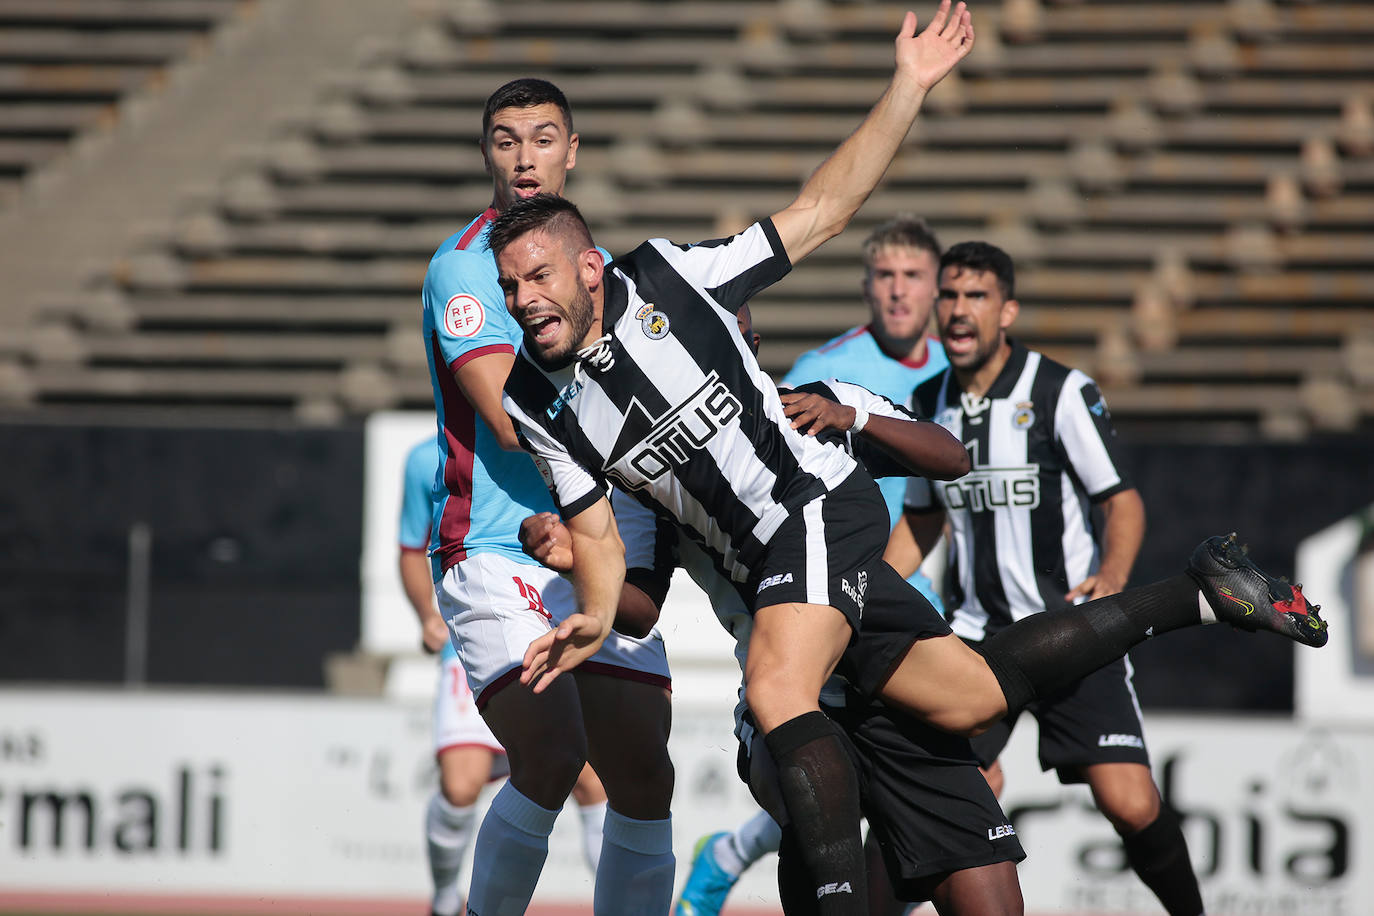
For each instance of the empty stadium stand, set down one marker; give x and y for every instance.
(1187, 188)
(66, 66)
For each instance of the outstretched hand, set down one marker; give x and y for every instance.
(928, 55)
(574, 641)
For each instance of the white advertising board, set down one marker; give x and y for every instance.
(388, 623)
(204, 794)
(239, 802)
(242, 802)
(1336, 567)
(1276, 815)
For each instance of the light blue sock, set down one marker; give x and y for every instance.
(512, 845)
(635, 877)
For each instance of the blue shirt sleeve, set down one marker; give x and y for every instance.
(417, 495)
(809, 367)
(466, 307)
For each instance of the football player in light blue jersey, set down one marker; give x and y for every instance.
(893, 353)
(466, 752)
(495, 600)
(482, 490)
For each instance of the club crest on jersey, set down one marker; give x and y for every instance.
(655, 325)
(1024, 416)
(464, 315)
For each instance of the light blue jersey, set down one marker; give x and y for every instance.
(481, 491)
(855, 357)
(417, 507)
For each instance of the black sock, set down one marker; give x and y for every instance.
(795, 891)
(1046, 652)
(821, 791)
(1159, 855)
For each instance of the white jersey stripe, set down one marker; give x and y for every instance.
(817, 556)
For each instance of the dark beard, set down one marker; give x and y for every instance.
(579, 315)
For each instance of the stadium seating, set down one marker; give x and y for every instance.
(1186, 187)
(66, 66)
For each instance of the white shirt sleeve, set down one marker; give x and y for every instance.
(571, 485)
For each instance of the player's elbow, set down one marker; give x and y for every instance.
(958, 464)
(636, 615)
(951, 458)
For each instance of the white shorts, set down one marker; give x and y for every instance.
(495, 607)
(457, 723)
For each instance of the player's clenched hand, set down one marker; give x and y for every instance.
(574, 641)
(814, 414)
(545, 538)
(927, 56)
(434, 633)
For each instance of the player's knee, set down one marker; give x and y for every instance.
(461, 791)
(1130, 812)
(639, 784)
(773, 701)
(550, 770)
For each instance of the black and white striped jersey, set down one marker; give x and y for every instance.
(1021, 520)
(655, 546)
(671, 406)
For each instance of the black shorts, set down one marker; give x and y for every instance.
(1095, 721)
(831, 553)
(924, 797)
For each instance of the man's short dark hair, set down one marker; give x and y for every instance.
(982, 257)
(548, 212)
(526, 92)
(906, 230)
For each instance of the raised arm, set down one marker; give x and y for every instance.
(836, 190)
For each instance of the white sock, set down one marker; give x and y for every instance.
(750, 842)
(448, 830)
(593, 816)
(636, 872)
(511, 848)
